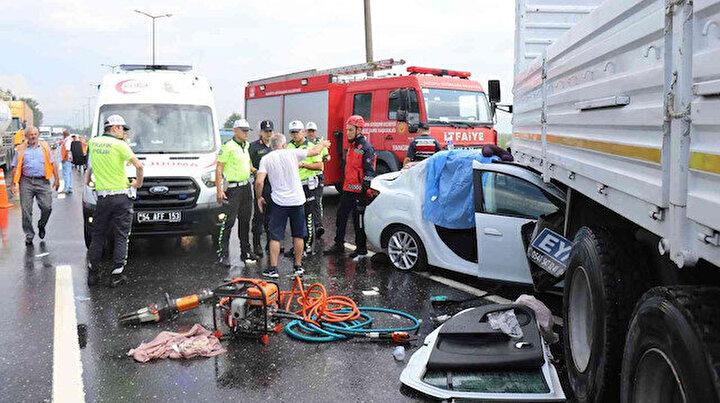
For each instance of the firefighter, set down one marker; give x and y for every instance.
(308, 169)
(422, 146)
(359, 171)
(234, 164)
(114, 210)
(311, 132)
(259, 149)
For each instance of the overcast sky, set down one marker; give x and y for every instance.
(52, 49)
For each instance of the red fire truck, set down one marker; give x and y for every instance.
(457, 109)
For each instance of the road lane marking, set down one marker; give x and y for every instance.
(464, 287)
(477, 292)
(67, 366)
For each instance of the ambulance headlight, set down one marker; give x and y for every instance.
(208, 179)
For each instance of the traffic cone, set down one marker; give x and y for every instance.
(4, 203)
(4, 206)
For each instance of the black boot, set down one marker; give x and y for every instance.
(336, 249)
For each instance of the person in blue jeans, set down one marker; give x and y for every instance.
(66, 159)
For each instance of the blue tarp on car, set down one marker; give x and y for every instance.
(449, 188)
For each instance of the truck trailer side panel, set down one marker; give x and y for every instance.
(600, 110)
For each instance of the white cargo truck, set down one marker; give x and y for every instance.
(618, 102)
(174, 133)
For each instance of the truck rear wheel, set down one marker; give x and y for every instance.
(598, 298)
(672, 347)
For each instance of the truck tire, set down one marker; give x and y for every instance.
(405, 249)
(673, 347)
(598, 298)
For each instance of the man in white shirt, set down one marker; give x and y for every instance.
(280, 166)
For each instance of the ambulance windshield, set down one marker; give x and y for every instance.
(456, 106)
(165, 128)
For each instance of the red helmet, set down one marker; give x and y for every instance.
(355, 120)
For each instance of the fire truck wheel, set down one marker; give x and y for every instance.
(382, 168)
(599, 295)
(672, 347)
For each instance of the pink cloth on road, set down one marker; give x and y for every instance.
(197, 341)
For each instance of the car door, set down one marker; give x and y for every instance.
(507, 198)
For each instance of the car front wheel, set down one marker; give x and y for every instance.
(405, 250)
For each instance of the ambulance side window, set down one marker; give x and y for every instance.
(413, 108)
(362, 105)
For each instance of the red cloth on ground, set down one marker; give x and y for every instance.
(197, 341)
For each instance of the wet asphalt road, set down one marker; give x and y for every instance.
(285, 370)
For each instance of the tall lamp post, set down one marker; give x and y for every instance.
(153, 17)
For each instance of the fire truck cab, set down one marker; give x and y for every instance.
(457, 109)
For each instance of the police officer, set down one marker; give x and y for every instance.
(359, 171)
(114, 209)
(259, 149)
(422, 146)
(308, 169)
(312, 137)
(233, 163)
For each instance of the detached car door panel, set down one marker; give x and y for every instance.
(505, 203)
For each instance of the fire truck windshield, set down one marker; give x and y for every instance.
(158, 129)
(456, 106)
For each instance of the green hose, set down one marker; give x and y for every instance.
(328, 332)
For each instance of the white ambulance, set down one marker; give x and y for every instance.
(174, 133)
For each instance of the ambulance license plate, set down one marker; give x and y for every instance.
(159, 216)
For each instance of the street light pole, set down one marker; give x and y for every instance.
(368, 35)
(153, 17)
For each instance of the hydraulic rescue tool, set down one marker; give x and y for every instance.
(250, 307)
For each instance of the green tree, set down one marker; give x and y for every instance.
(37, 113)
(231, 119)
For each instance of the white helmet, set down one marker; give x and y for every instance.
(311, 126)
(241, 124)
(296, 125)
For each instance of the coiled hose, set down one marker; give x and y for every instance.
(334, 318)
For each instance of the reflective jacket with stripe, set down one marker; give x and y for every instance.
(359, 165)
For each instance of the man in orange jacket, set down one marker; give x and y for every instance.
(33, 169)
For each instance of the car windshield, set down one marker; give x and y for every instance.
(456, 106)
(157, 129)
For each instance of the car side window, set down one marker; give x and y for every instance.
(511, 196)
(413, 107)
(362, 105)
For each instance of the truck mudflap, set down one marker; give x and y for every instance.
(466, 359)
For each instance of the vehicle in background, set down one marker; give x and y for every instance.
(21, 116)
(225, 135)
(45, 132)
(457, 109)
(623, 111)
(6, 136)
(508, 200)
(174, 133)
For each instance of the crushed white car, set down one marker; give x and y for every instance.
(508, 199)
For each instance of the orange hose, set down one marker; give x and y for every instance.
(316, 305)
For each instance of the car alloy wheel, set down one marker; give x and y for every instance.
(403, 250)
